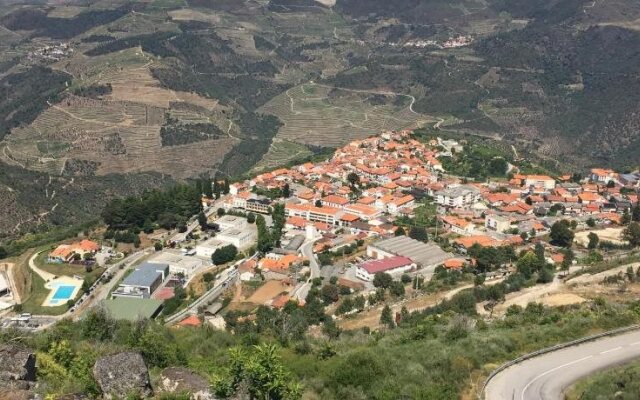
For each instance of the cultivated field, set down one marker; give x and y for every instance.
(324, 116)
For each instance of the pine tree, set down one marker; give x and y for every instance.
(386, 318)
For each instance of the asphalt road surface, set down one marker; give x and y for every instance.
(547, 377)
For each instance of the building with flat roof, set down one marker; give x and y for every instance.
(132, 309)
(207, 248)
(392, 265)
(179, 263)
(143, 281)
(425, 255)
(231, 222)
(457, 196)
(237, 237)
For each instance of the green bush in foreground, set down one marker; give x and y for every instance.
(621, 383)
(429, 355)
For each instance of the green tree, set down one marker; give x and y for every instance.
(386, 318)
(353, 179)
(224, 254)
(594, 240)
(419, 233)
(626, 218)
(591, 222)
(202, 220)
(286, 191)
(330, 293)
(632, 234)
(396, 289)
(260, 372)
(635, 214)
(251, 218)
(561, 234)
(3, 253)
(400, 231)
(382, 280)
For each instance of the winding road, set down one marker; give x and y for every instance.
(546, 377)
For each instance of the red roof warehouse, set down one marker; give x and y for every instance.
(367, 270)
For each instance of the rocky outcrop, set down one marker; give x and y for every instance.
(121, 375)
(17, 372)
(181, 380)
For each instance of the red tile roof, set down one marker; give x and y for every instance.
(386, 264)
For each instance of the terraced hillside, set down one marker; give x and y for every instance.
(110, 137)
(184, 88)
(322, 115)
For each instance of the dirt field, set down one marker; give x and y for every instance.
(268, 291)
(562, 299)
(194, 15)
(609, 234)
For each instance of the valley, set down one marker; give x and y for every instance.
(185, 88)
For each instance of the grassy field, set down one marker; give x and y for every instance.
(39, 293)
(67, 269)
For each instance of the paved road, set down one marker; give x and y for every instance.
(547, 376)
(307, 251)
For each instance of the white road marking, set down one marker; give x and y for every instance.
(550, 371)
(610, 351)
(634, 344)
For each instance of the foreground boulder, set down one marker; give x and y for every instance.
(17, 372)
(181, 380)
(121, 375)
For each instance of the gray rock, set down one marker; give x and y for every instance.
(181, 380)
(17, 372)
(123, 374)
(17, 363)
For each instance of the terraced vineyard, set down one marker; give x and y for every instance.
(324, 116)
(118, 136)
(280, 153)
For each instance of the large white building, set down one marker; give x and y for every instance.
(237, 237)
(231, 222)
(457, 196)
(179, 263)
(542, 181)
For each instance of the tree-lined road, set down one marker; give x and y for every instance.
(546, 377)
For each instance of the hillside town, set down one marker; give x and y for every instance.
(381, 208)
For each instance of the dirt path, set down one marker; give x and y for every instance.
(43, 274)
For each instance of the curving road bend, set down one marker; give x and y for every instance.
(546, 377)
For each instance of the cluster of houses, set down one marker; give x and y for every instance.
(369, 184)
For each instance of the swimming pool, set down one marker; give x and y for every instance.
(63, 292)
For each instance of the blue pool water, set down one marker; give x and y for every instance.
(63, 293)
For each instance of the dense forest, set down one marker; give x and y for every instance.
(60, 28)
(174, 133)
(177, 203)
